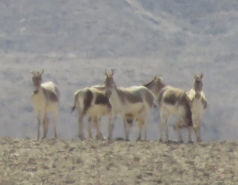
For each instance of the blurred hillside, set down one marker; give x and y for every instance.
(76, 41)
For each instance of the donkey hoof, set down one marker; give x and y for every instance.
(161, 140)
(181, 141)
(190, 142)
(167, 141)
(99, 137)
(81, 137)
(138, 139)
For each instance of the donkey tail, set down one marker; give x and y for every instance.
(73, 108)
(76, 95)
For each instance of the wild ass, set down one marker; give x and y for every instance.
(45, 99)
(172, 101)
(198, 105)
(91, 101)
(134, 102)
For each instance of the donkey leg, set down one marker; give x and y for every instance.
(161, 129)
(109, 119)
(140, 126)
(161, 123)
(166, 131)
(55, 124)
(164, 116)
(191, 129)
(146, 122)
(167, 128)
(80, 131)
(111, 130)
(145, 132)
(111, 127)
(38, 124)
(126, 128)
(89, 127)
(190, 135)
(97, 124)
(46, 124)
(180, 136)
(177, 127)
(197, 127)
(199, 130)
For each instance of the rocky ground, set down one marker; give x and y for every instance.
(49, 161)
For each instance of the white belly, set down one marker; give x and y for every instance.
(133, 109)
(40, 104)
(97, 110)
(197, 107)
(175, 110)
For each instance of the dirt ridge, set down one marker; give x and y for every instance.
(49, 161)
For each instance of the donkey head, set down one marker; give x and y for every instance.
(158, 82)
(198, 82)
(37, 77)
(109, 83)
(155, 85)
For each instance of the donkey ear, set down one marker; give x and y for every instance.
(201, 75)
(105, 72)
(160, 78)
(32, 72)
(112, 70)
(42, 71)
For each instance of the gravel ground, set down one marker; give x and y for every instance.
(49, 161)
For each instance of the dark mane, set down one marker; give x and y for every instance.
(99, 87)
(149, 83)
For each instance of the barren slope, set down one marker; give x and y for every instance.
(76, 41)
(26, 161)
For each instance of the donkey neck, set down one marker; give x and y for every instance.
(115, 96)
(39, 92)
(156, 88)
(115, 100)
(37, 89)
(162, 85)
(198, 93)
(197, 87)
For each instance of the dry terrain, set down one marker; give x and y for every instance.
(31, 161)
(74, 41)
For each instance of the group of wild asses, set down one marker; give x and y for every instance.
(132, 103)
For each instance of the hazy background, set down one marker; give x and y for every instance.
(74, 41)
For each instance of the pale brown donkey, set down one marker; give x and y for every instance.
(45, 99)
(135, 102)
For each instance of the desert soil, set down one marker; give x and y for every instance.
(56, 162)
